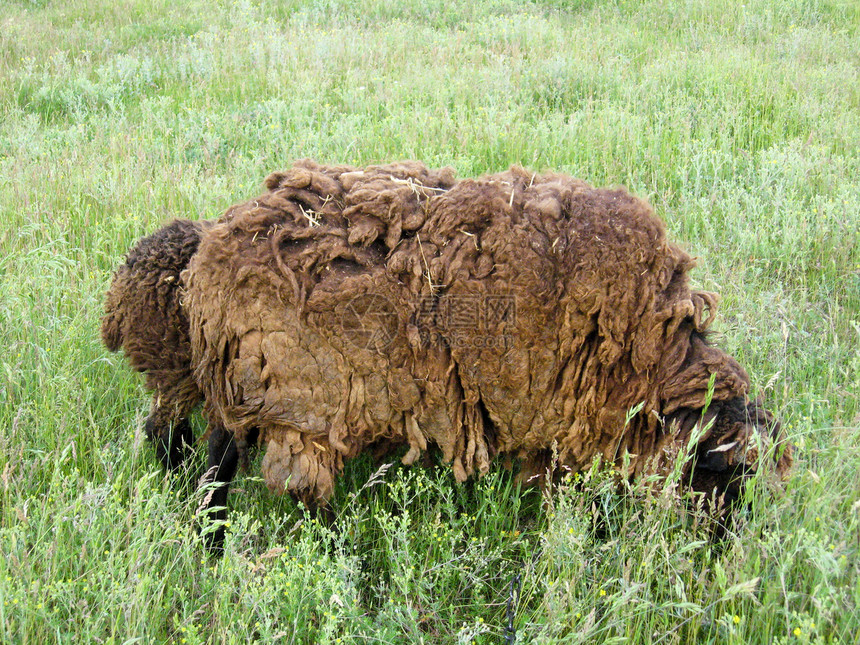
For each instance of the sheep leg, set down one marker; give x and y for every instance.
(168, 428)
(221, 468)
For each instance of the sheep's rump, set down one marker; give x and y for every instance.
(144, 314)
(506, 315)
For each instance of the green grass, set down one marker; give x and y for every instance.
(740, 122)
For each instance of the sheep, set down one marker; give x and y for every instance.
(517, 315)
(144, 317)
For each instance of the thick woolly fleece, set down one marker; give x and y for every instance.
(144, 317)
(517, 314)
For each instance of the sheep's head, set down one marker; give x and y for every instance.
(743, 437)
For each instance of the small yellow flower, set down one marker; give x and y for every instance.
(736, 619)
(602, 592)
(797, 631)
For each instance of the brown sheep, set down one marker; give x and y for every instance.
(144, 317)
(515, 315)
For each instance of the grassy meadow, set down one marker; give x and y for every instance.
(739, 121)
